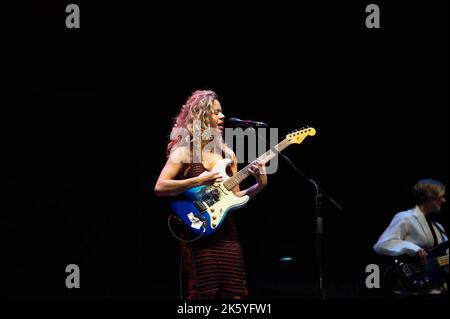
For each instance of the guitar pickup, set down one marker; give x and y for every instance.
(200, 206)
(215, 194)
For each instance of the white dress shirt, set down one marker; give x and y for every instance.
(408, 233)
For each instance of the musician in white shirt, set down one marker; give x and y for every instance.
(409, 231)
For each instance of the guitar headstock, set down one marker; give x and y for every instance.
(296, 137)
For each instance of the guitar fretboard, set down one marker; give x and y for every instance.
(244, 173)
(442, 261)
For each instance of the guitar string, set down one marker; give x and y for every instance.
(434, 261)
(423, 265)
(427, 266)
(419, 269)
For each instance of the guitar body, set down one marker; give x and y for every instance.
(420, 277)
(203, 209)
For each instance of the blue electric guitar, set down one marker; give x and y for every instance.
(203, 209)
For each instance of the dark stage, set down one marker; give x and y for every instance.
(88, 111)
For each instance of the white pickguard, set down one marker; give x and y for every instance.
(227, 200)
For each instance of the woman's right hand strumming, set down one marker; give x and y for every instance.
(209, 178)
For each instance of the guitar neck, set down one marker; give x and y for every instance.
(442, 260)
(244, 173)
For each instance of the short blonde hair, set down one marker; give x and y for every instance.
(427, 189)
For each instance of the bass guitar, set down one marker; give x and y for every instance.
(420, 276)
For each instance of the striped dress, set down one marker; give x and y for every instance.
(214, 265)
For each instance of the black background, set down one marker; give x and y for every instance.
(87, 114)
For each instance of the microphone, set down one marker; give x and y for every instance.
(235, 122)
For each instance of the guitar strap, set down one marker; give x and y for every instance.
(430, 224)
(442, 231)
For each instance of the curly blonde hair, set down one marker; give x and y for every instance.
(193, 116)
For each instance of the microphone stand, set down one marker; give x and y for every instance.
(319, 195)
